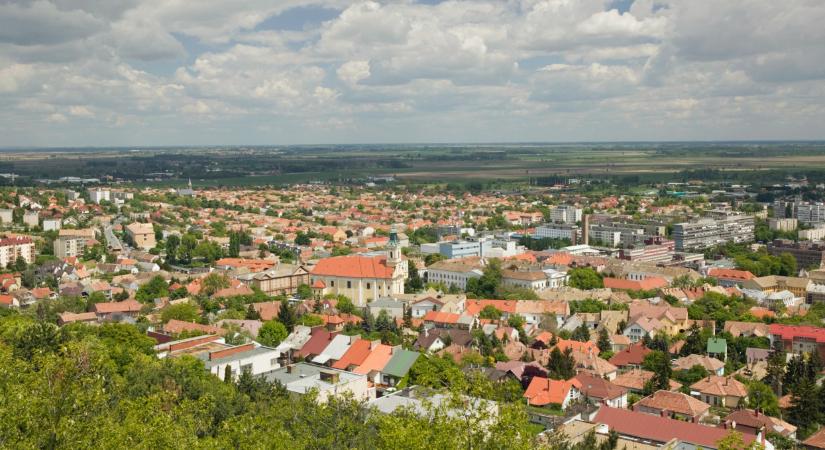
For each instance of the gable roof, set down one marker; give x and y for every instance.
(544, 391)
(634, 354)
(720, 386)
(731, 274)
(355, 355)
(660, 429)
(354, 267)
(648, 284)
(597, 387)
(676, 402)
(400, 363)
(376, 360)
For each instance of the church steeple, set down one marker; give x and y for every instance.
(393, 249)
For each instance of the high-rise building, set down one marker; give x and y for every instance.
(707, 232)
(566, 214)
(15, 247)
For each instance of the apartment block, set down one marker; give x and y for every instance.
(707, 232)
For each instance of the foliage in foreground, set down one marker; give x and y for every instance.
(102, 387)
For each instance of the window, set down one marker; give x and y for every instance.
(332, 283)
(349, 284)
(368, 286)
(247, 368)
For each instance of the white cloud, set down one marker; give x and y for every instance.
(401, 70)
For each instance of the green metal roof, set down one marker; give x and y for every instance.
(717, 345)
(400, 363)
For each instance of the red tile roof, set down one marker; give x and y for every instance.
(731, 274)
(647, 284)
(544, 391)
(354, 267)
(117, 307)
(789, 332)
(355, 355)
(267, 310)
(441, 317)
(376, 360)
(317, 342)
(661, 429)
(633, 355)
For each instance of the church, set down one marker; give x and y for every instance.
(362, 278)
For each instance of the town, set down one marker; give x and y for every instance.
(572, 316)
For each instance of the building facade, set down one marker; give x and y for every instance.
(16, 247)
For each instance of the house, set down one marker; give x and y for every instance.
(326, 382)
(318, 341)
(398, 366)
(374, 363)
(69, 317)
(454, 272)
(634, 380)
(355, 354)
(798, 338)
(546, 391)
(424, 403)
(283, 279)
(589, 362)
(754, 422)
(815, 441)
(640, 326)
(600, 391)
(717, 348)
(117, 311)
(747, 329)
(726, 391)
(730, 277)
(432, 340)
(267, 310)
(175, 326)
(646, 284)
(361, 278)
(658, 430)
(708, 363)
(142, 235)
(394, 307)
(631, 357)
(775, 283)
(675, 319)
(217, 356)
(673, 404)
(335, 349)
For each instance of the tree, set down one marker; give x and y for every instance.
(695, 344)
(227, 374)
(272, 333)
(581, 333)
(584, 278)
(286, 315)
(487, 284)
(213, 283)
(733, 441)
(302, 239)
(154, 288)
(761, 397)
(805, 408)
(252, 313)
(561, 366)
(172, 245)
(20, 264)
(414, 282)
(186, 312)
(344, 305)
(776, 369)
(604, 341)
(490, 312)
(657, 362)
(304, 291)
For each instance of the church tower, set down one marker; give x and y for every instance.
(393, 249)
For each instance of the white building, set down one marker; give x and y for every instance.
(16, 247)
(453, 273)
(99, 195)
(52, 224)
(217, 355)
(301, 378)
(31, 218)
(361, 278)
(557, 231)
(566, 214)
(6, 216)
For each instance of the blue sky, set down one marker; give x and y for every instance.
(177, 72)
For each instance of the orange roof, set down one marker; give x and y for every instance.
(577, 346)
(354, 267)
(760, 312)
(355, 355)
(473, 307)
(544, 391)
(441, 317)
(647, 284)
(731, 274)
(175, 326)
(319, 284)
(376, 360)
(560, 258)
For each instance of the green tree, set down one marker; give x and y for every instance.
(304, 291)
(272, 333)
(212, 283)
(584, 278)
(156, 287)
(657, 362)
(760, 396)
(581, 333)
(20, 264)
(286, 315)
(186, 312)
(561, 366)
(171, 246)
(604, 341)
(414, 283)
(490, 312)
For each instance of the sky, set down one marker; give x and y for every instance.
(273, 72)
